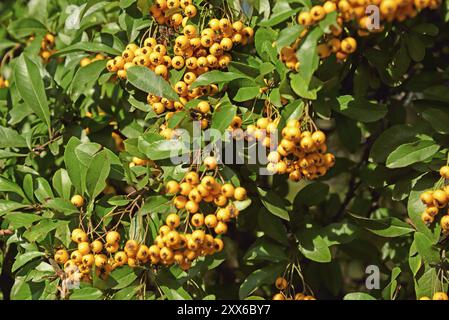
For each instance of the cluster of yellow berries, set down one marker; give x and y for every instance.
(174, 245)
(183, 242)
(89, 254)
(172, 12)
(282, 285)
(86, 61)
(139, 162)
(4, 83)
(47, 47)
(340, 47)
(301, 154)
(350, 14)
(196, 52)
(436, 200)
(436, 296)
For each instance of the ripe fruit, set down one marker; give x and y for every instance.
(210, 163)
(77, 201)
(278, 296)
(211, 221)
(112, 237)
(444, 172)
(172, 187)
(79, 236)
(173, 220)
(281, 283)
(121, 258)
(221, 228)
(440, 296)
(440, 198)
(61, 256)
(240, 193)
(84, 248)
(348, 45)
(444, 222)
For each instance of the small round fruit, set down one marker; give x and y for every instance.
(61, 256)
(444, 222)
(440, 296)
(172, 187)
(210, 163)
(440, 198)
(112, 237)
(444, 172)
(221, 228)
(281, 283)
(173, 220)
(84, 248)
(427, 198)
(211, 221)
(240, 193)
(278, 296)
(120, 258)
(348, 45)
(228, 190)
(77, 201)
(79, 235)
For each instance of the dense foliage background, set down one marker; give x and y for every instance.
(68, 128)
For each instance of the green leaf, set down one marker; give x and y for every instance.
(411, 153)
(156, 204)
(338, 233)
(9, 138)
(358, 296)
(426, 29)
(62, 184)
(437, 118)
(359, 109)
(85, 78)
(61, 205)
(24, 27)
(40, 230)
(274, 203)
(31, 88)
(426, 249)
(308, 56)
(18, 220)
(246, 93)
(21, 290)
(9, 186)
(87, 293)
(304, 89)
(223, 115)
(313, 246)
(389, 291)
(22, 259)
(123, 277)
(272, 226)
(266, 275)
(288, 35)
(415, 47)
(84, 46)
(217, 77)
(127, 293)
(147, 81)
(264, 249)
(390, 227)
(161, 149)
(97, 174)
(279, 17)
(390, 139)
(8, 206)
(312, 194)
